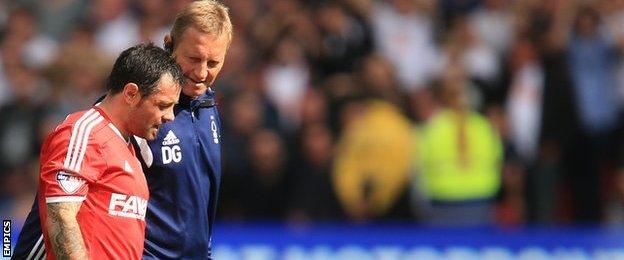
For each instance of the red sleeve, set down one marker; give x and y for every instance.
(70, 161)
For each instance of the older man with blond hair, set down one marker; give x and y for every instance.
(183, 164)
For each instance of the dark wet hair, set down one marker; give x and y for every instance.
(143, 64)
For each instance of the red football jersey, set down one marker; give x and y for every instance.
(87, 159)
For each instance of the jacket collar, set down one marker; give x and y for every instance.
(205, 100)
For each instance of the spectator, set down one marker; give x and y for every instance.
(58, 18)
(372, 161)
(116, 27)
(38, 49)
(313, 198)
(19, 140)
(344, 39)
(458, 159)
(286, 77)
(404, 33)
(493, 23)
(266, 193)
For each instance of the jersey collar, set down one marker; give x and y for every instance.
(110, 123)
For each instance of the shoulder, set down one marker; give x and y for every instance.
(79, 129)
(480, 121)
(440, 124)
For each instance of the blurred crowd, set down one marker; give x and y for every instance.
(444, 112)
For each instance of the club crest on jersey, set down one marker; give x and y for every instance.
(213, 127)
(171, 151)
(128, 206)
(70, 183)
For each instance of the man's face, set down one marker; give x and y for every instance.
(201, 57)
(154, 110)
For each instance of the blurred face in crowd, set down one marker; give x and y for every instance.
(377, 72)
(587, 22)
(332, 19)
(313, 107)
(201, 57)
(107, 10)
(403, 6)
(267, 153)
(245, 113)
(495, 4)
(21, 25)
(522, 54)
(317, 145)
(148, 113)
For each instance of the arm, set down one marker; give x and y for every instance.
(64, 231)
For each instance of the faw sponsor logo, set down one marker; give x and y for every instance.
(128, 206)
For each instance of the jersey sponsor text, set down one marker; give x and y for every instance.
(129, 206)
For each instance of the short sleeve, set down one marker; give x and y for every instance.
(70, 161)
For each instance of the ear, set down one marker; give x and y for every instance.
(131, 94)
(168, 43)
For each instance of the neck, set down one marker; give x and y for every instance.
(116, 113)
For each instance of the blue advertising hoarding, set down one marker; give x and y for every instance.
(261, 241)
(402, 241)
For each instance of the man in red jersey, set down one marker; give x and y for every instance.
(92, 191)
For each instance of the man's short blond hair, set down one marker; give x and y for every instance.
(208, 16)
